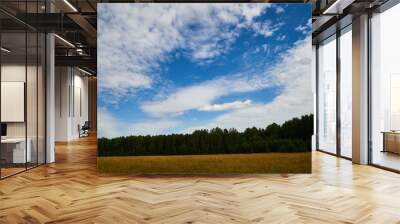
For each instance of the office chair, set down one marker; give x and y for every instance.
(84, 130)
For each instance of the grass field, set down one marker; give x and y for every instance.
(208, 164)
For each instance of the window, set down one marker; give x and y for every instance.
(327, 95)
(385, 89)
(346, 92)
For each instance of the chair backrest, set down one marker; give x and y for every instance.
(86, 125)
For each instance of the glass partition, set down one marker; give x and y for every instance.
(23, 91)
(14, 153)
(346, 92)
(327, 95)
(385, 89)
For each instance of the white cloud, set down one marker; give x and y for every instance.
(266, 29)
(309, 22)
(291, 72)
(293, 75)
(110, 126)
(152, 127)
(226, 106)
(126, 65)
(252, 10)
(304, 29)
(301, 28)
(281, 37)
(196, 96)
(279, 10)
(265, 48)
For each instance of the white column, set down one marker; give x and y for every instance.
(360, 90)
(50, 92)
(50, 99)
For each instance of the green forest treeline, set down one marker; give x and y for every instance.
(292, 136)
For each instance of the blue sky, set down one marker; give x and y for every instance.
(174, 68)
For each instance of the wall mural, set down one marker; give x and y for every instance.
(204, 88)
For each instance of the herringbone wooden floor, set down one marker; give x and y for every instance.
(71, 191)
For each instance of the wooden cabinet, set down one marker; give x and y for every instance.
(391, 142)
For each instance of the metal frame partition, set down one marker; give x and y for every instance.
(337, 35)
(369, 125)
(341, 31)
(337, 29)
(316, 116)
(33, 50)
(318, 47)
(338, 98)
(0, 93)
(380, 9)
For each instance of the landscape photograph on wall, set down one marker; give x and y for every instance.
(210, 88)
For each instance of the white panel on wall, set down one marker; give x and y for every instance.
(12, 101)
(77, 106)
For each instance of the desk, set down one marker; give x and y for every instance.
(14, 150)
(391, 141)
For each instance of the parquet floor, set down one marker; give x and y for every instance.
(71, 191)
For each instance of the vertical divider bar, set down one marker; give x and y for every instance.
(338, 81)
(369, 91)
(45, 90)
(60, 76)
(317, 96)
(69, 92)
(0, 94)
(37, 89)
(73, 92)
(26, 85)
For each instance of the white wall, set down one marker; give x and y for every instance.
(62, 82)
(71, 87)
(80, 104)
(33, 126)
(17, 73)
